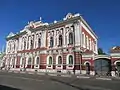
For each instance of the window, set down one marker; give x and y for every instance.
(71, 60)
(29, 61)
(14, 46)
(59, 60)
(37, 61)
(87, 42)
(13, 61)
(71, 38)
(50, 60)
(22, 61)
(83, 39)
(24, 45)
(39, 42)
(31, 43)
(51, 41)
(90, 44)
(60, 40)
(28, 42)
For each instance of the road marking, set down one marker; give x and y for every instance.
(104, 78)
(82, 77)
(21, 78)
(66, 75)
(22, 72)
(31, 73)
(41, 73)
(52, 74)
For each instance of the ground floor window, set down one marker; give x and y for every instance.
(37, 61)
(70, 60)
(50, 61)
(59, 61)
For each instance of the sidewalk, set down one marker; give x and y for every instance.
(79, 76)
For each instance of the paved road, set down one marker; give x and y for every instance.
(17, 81)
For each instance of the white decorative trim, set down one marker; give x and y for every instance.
(60, 66)
(35, 64)
(47, 66)
(89, 30)
(21, 65)
(67, 61)
(116, 62)
(87, 62)
(28, 59)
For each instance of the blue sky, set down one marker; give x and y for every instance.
(102, 15)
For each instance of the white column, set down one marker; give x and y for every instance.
(96, 47)
(34, 41)
(7, 47)
(64, 42)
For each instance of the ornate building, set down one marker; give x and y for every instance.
(66, 45)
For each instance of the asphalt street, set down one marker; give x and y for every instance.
(18, 81)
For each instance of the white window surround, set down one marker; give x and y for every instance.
(27, 61)
(90, 43)
(67, 61)
(87, 42)
(116, 62)
(21, 62)
(49, 66)
(87, 62)
(83, 39)
(60, 66)
(11, 63)
(35, 62)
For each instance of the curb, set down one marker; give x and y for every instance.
(103, 78)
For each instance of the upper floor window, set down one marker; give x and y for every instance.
(28, 42)
(71, 38)
(24, 44)
(51, 41)
(60, 40)
(39, 42)
(14, 46)
(31, 44)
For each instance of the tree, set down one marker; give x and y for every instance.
(100, 52)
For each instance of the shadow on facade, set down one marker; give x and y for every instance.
(7, 88)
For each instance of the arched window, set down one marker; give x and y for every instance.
(59, 60)
(71, 60)
(24, 45)
(37, 61)
(71, 38)
(51, 41)
(50, 60)
(14, 46)
(13, 61)
(22, 62)
(29, 61)
(39, 42)
(31, 43)
(60, 40)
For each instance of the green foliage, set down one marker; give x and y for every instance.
(100, 52)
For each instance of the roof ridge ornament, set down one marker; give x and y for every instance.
(11, 34)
